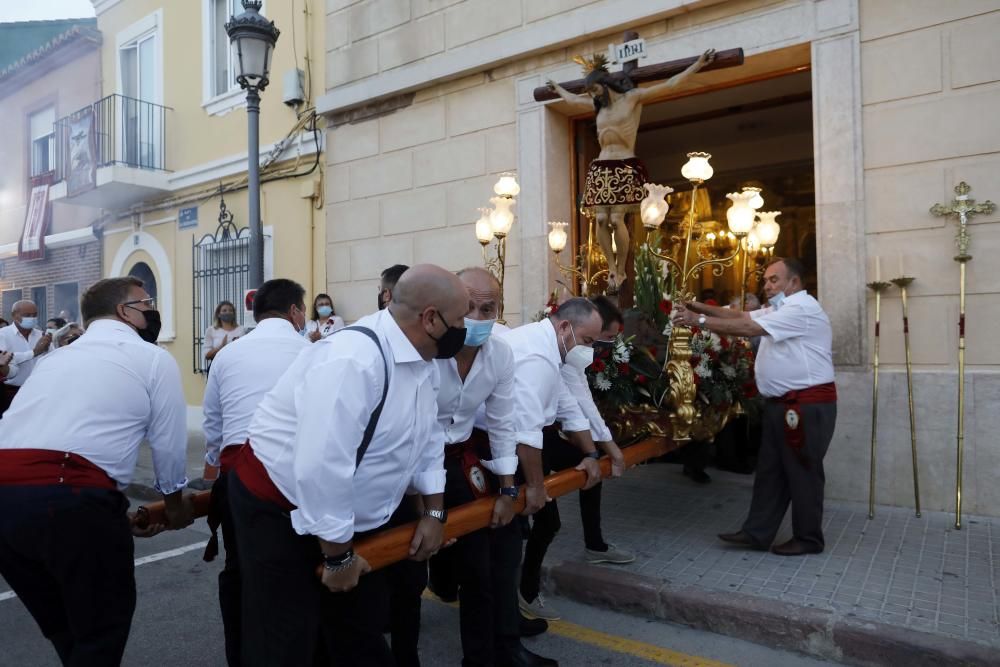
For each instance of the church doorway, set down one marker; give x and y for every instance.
(758, 126)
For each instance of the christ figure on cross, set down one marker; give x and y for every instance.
(615, 179)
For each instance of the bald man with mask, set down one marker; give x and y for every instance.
(306, 486)
(27, 343)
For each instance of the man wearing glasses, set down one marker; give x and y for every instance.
(65, 539)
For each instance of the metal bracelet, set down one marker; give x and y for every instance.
(336, 569)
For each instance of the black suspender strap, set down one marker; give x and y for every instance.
(373, 421)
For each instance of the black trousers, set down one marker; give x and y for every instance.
(68, 554)
(558, 454)
(230, 590)
(782, 477)
(484, 564)
(407, 581)
(289, 618)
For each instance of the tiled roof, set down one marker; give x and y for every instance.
(25, 42)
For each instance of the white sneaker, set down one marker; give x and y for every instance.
(613, 555)
(537, 609)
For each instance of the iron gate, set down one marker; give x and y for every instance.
(221, 272)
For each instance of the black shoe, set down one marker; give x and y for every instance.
(697, 475)
(794, 547)
(531, 627)
(518, 656)
(742, 539)
(443, 593)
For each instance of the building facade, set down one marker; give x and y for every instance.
(165, 140)
(855, 115)
(49, 253)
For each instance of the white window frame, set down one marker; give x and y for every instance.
(32, 139)
(151, 25)
(235, 97)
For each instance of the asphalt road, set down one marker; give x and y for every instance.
(177, 622)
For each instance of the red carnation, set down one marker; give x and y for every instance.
(640, 379)
(666, 306)
(598, 366)
(623, 368)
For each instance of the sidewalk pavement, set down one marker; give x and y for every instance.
(890, 591)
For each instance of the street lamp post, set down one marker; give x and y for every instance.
(252, 38)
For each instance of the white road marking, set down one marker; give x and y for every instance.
(163, 555)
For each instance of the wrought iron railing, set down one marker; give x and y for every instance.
(114, 130)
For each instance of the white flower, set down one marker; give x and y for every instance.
(602, 382)
(703, 370)
(728, 371)
(667, 330)
(714, 342)
(621, 351)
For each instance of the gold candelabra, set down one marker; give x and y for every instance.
(587, 273)
(963, 207)
(494, 226)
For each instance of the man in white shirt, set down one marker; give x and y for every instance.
(305, 488)
(560, 455)
(480, 464)
(794, 372)
(65, 542)
(27, 342)
(540, 399)
(242, 374)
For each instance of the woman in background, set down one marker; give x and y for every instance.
(324, 321)
(224, 330)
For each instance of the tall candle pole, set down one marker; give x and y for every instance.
(902, 283)
(878, 287)
(963, 207)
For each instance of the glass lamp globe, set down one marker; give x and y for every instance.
(484, 228)
(740, 216)
(768, 228)
(507, 185)
(757, 201)
(697, 169)
(251, 38)
(653, 208)
(558, 236)
(502, 218)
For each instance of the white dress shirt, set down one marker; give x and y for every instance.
(100, 398)
(242, 373)
(490, 383)
(797, 351)
(540, 395)
(214, 337)
(11, 340)
(335, 323)
(307, 430)
(576, 382)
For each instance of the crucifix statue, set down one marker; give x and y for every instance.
(614, 184)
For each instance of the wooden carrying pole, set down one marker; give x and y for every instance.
(723, 59)
(393, 545)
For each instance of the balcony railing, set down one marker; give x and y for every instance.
(114, 130)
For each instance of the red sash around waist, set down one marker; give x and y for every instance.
(44, 467)
(821, 393)
(254, 476)
(228, 458)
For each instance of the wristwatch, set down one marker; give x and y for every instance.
(509, 491)
(701, 320)
(596, 455)
(440, 515)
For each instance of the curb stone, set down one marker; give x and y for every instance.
(816, 632)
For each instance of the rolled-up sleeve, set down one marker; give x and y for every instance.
(167, 429)
(212, 416)
(568, 412)
(576, 382)
(500, 415)
(335, 399)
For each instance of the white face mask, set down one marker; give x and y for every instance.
(777, 300)
(28, 322)
(580, 356)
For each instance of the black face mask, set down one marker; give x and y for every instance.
(227, 317)
(450, 342)
(152, 330)
(602, 348)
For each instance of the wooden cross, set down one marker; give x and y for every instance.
(647, 73)
(963, 206)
